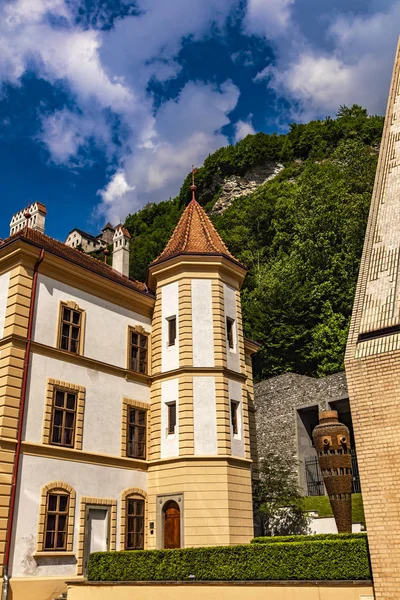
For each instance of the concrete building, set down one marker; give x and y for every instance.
(124, 407)
(373, 359)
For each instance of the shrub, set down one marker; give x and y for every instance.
(307, 538)
(326, 559)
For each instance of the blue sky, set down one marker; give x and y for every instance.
(106, 104)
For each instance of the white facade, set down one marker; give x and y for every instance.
(4, 283)
(169, 441)
(87, 480)
(76, 239)
(106, 324)
(202, 323)
(237, 439)
(232, 354)
(204, 416)
(103, 402)
(169, 308)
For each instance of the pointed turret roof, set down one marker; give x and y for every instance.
(194, 234)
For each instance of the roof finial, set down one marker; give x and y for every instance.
(193, 187)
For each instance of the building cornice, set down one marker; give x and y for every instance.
(223, 458)
(198, 371)
(82, 456)
(77, 359)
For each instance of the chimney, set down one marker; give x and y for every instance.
(37, 216)
(120, 256)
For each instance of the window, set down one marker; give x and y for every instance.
(63, 418)
(138, 351)
(71, 328)
(229, 331)
(136, 432)
(134, 533)
(171, 331)
(234, 417)
(56, 521)
(171, 417)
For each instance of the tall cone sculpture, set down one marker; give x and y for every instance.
(332, 443)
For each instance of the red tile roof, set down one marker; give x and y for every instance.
(81, 259)
(194, 234)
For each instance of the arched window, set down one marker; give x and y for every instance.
(56, 518)
(133, 519)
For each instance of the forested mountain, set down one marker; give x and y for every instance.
(301, 235)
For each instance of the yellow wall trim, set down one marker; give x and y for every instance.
(196, 371)
(88, 501)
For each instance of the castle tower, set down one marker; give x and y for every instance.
(199, 487)
(36, 219)
(120, 255)
(373, 359)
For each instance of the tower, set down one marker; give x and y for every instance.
(373, 359)
(120, 255)
(199, 486)
(33, 216)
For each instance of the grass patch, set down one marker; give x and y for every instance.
(323, 506)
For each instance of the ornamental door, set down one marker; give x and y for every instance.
(172, 525)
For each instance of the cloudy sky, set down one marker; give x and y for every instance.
(106, 104)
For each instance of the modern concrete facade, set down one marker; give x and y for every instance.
(373, 359)
(76, 331)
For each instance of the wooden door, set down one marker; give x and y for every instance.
(172, 525)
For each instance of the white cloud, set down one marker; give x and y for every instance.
(107, 72)
(243, 128)
(269, 18)
(188, 128)
(356, 69)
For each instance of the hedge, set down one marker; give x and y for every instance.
(307, 538)
(330, 559)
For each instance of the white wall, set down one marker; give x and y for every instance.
(232, 354)
(169, 442)
(87, 480)
(237, 439)
(202, 323)
(169, 308)
(204, 415)
(103, 403)
(106, 328)
(4, 283)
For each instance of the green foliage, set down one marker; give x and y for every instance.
(323, 506)
(307, 538)
(278, 505)
(301, 235)
(327, 559)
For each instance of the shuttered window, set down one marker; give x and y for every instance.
(71, 325)
(138, 352)
(171, 417)
(56, 528)
(63, 418)
(171, 331)
(134, 537)
(136, 432)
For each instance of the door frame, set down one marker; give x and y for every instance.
(87, 538)
(161, 500)
(87, 502)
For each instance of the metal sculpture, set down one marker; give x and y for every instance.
(332, 443)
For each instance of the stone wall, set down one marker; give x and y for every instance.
(277, 401)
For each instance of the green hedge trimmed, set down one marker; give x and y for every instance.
(307, 538)
(339, 559)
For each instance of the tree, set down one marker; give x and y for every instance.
(278, 505)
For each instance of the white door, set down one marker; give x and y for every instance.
(97, 531)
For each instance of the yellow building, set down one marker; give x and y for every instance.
(373, 360)
(124, 408)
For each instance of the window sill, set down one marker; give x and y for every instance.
(52, 554)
